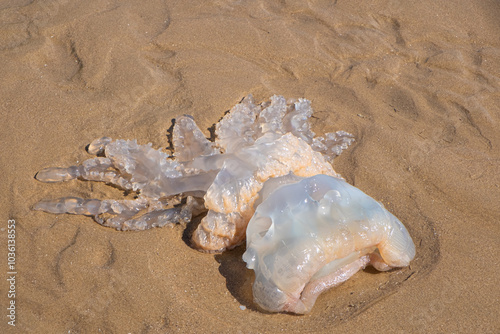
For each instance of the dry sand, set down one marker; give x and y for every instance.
(417, 84)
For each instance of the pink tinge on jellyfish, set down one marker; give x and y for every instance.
(259, 150)
(310, 234)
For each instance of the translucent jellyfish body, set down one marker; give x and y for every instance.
(311, 234)
(254, 143)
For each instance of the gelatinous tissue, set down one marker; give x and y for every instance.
(267, 179)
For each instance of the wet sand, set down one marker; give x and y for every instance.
(417, 84)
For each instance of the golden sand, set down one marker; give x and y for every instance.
(417, 84)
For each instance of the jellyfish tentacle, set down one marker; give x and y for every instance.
(94, 169)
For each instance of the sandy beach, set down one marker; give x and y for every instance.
(417, 84)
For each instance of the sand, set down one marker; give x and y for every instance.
(417, 84)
